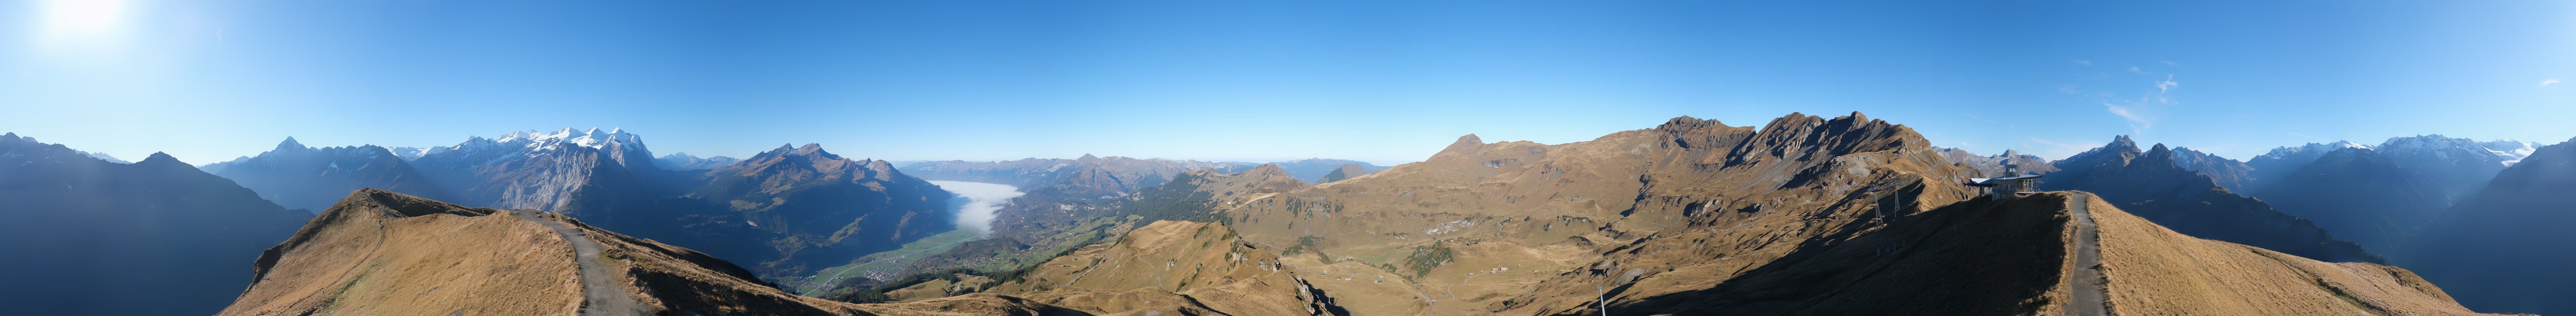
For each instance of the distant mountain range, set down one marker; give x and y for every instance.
(2421, 201)
(87, 236)
(1316, 169)
(2507, 246)
(1802, 215)
(2153, 184)
(685, 161)
(787, 210)
(311, 179)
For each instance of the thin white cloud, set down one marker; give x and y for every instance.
(2138, 122)
(2166, 85)
(2170, 63)
(2545, 83)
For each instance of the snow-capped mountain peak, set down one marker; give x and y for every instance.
(2314, 149)
(2512, 148)
(592, 138)
(2438, 147)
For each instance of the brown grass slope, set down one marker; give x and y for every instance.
(383, 253)
(1980, 257)
(2010, 257)
(1495, 227)
(2156, 271)
(1188, 268)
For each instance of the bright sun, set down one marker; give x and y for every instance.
(82, 16)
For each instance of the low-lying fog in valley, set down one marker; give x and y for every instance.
(976, 201)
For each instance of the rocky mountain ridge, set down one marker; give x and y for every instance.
(2153, 184)
(86, 236)
(311, 178)
(2504, 247)
(685, 161)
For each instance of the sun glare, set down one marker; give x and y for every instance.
(82, 16)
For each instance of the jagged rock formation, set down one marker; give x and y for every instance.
(2153, 185)
(685, 161)
(380, 253)
(1346, 172)
(589, 174)
(1993, 166)
(2507, 247)
(795, 209)
(311, 179)
(87, 236)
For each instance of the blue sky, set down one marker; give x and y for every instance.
(1266, 81)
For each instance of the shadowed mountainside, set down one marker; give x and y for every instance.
(310, 179)
(2360, 195)
(86, 236)
(2153, 185)
(791, 210)
(2507, 247)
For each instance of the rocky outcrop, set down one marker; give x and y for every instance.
(2506, 247)
(86, 236)
(2153, 185)
(312, 179)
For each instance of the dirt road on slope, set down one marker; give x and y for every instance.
(2087, 284)
(600, 295)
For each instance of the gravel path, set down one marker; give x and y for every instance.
(2087, 285)
(600, 295)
